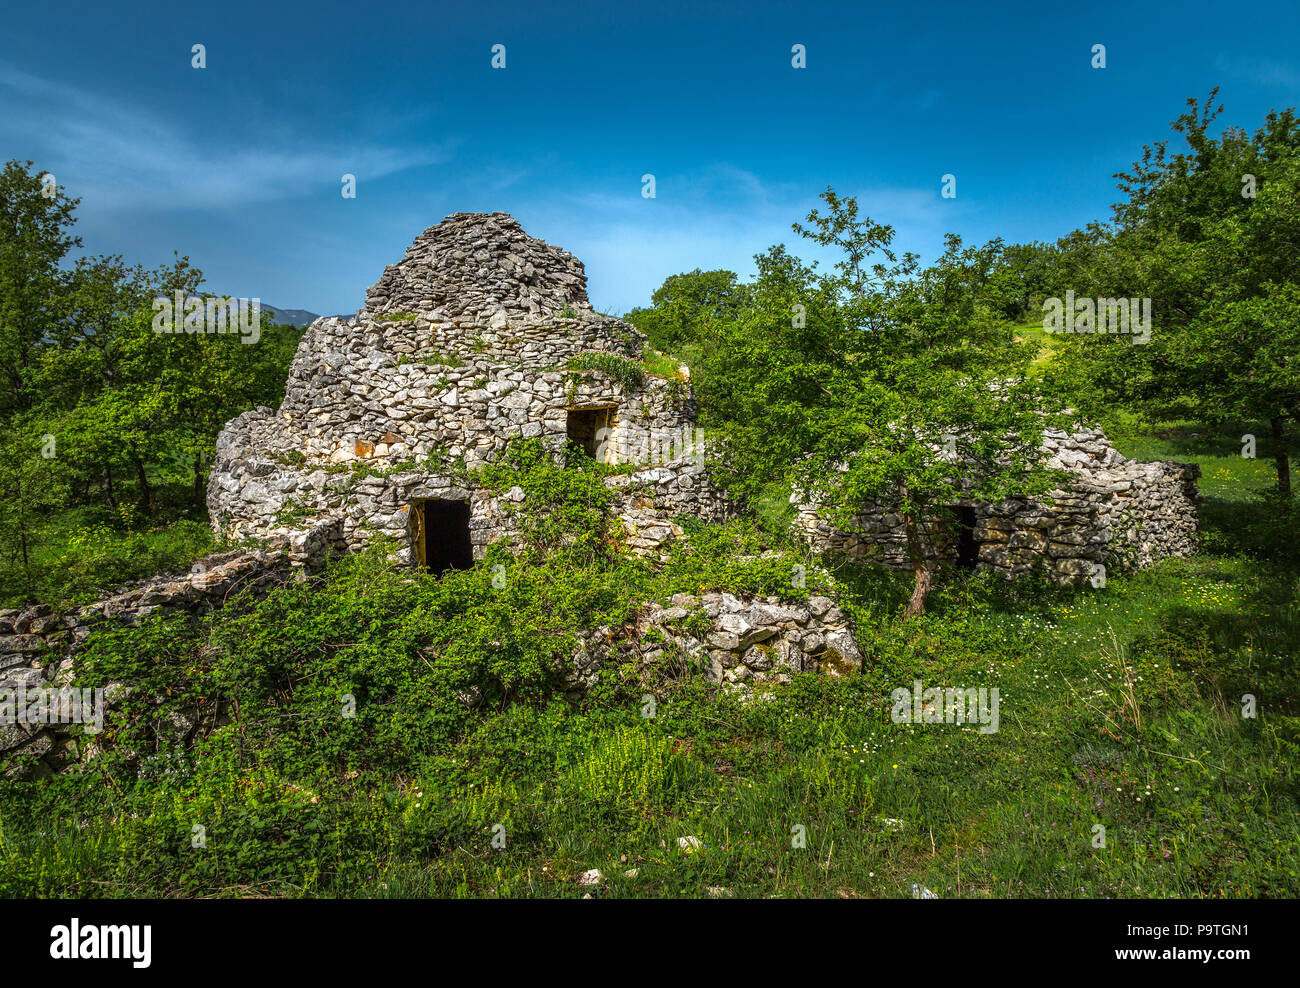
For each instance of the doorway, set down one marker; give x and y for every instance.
(441, 538)
(587, 429)
(968, 550)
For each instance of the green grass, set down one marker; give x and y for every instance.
(85, 549)
(629, 374)
(657, 364)
(1033, 332)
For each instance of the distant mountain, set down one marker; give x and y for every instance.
(294, 317)
(297, 317)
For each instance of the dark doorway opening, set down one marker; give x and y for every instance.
(586, 429)
(442, 539)
(968, 550)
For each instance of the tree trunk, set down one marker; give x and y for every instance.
(1281, 457)
(106, 482)
(923, 579)
(146, 492)
(922, 574)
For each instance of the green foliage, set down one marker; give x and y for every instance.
(104, 423)
(430, 359)
(627, 373)
(34, 239)
(77, 561)
(566, 513)
(686, 305)
(880, 384)
(657, 364)
(1222, 272)
(1116, 707)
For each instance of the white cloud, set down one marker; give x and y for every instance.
(119, 157)
(718, 218)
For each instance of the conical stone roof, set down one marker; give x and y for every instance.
(480, 269)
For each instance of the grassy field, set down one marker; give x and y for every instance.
(82, 550)
(1120, 708)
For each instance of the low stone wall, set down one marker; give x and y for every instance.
(38, 645)
(1116, 512)
(652, 499)
(736, 639)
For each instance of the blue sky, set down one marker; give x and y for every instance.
(238, 164)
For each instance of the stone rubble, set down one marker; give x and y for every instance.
(736, 640)
(38, 644)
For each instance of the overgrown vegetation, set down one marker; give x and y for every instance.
(1119, 708)
(629, 374)
(106, 426)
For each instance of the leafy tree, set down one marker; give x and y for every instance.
(880, 385)
(33, 241)
(1217, 263)
(1023, 276)
(32, 484)
(685, 305)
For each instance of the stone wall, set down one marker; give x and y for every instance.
(38, 646)
(737, 640)
(1116, 512)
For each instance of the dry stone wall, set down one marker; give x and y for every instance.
(38, 647)
(1115, 512)
(737, 640)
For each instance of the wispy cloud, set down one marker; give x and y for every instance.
(719, 217)
(123, 157)
(1262, 71)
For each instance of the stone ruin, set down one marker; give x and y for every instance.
(39, 646)
(475, 337)
(1114, 513)
(463, 344)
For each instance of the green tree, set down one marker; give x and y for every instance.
(1210, 235)
(685, 305)
(32, 485)
(881, 385)
(34, 221)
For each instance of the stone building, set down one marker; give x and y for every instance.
(1114, 512)
(476, 336)
(482, 333)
